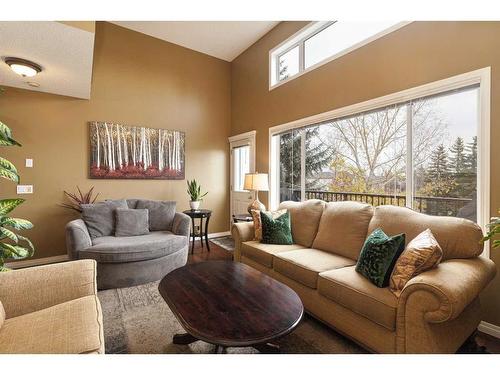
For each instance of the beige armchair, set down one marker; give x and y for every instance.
(51, 309)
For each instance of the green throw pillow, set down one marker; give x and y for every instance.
(277, 230)
(378, 256)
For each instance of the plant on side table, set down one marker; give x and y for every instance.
(194, 192)
(12, 245)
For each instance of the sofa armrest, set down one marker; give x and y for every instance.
(241, 232)
(31, 289)
(181, 224)
(445, 291)
(77, 238)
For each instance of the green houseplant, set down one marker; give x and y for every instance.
(493, 230)
(194, 192)
(12, 244)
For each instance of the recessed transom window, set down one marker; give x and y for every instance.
(321, 42)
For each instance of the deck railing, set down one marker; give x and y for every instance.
(444, 206)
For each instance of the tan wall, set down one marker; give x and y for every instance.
(137, 80)
(419, 53)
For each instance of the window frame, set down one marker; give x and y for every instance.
(299, 39)
(481, 77)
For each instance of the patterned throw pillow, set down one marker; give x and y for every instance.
(421, 254)
(276, 230)
(378, 256)
(257, 222)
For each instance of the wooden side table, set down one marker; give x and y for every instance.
(199, 214)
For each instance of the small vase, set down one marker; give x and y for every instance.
(194, 205)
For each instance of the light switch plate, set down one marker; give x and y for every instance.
(29, 163)
(24, 189)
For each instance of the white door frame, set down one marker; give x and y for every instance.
(239, 140)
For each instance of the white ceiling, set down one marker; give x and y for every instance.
(64, 52)
(222, 39)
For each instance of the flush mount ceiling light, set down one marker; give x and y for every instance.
(23, 67)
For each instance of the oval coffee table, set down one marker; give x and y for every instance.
(230, 304)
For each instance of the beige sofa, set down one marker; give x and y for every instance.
(51, 309)
(437, 309)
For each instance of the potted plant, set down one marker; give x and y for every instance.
(12, 244)
(194, 192)
(77, 199)
(493, 230)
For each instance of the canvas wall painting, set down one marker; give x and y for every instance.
(133, 152)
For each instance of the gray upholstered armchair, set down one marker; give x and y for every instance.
(132, 260)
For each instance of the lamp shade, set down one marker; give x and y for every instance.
(256, 181)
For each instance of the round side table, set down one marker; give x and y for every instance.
(199, 214)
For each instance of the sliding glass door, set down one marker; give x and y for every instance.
(421, 154)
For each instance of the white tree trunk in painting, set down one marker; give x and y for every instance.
(98, 146)
(105, 150)
(119, 143)
(134, 144)
(159, 149)
(140, 147)
(150, 160)
(125, 146)
(110, 153)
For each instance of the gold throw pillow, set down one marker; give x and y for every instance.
(257, 222)
(421, 254)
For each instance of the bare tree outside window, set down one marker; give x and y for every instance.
(364, 157)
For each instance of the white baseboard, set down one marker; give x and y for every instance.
(37, 262)
(214, 235)
(490, 329)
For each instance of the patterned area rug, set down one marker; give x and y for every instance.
(137, 320)
(226, 242)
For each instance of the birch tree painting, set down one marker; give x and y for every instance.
(132, 152)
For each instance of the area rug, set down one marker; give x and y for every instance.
(137, 320)
(226, 242)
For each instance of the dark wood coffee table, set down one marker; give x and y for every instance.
(230, 304)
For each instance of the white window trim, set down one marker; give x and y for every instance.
(305, 33)
(480, 76)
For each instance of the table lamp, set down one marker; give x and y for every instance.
(256, 182)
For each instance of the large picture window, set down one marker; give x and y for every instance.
(420, 153)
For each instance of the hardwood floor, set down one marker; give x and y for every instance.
(491, 343)
(215, 253)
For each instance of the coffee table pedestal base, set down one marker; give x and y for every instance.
(186, 339)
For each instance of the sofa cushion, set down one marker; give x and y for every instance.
(257, 221)
(305, 265)
(111, 249)
(350, 289)
(70, 327)
(343, 228)
(131, 222)
(379, 255)
(304, 217)
(100, 217)
(161, 214)
(421, 254)
(263, 253)
(458, 238)
(276, 229)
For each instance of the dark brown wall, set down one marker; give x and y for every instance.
(419, 53)
(137, 80)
